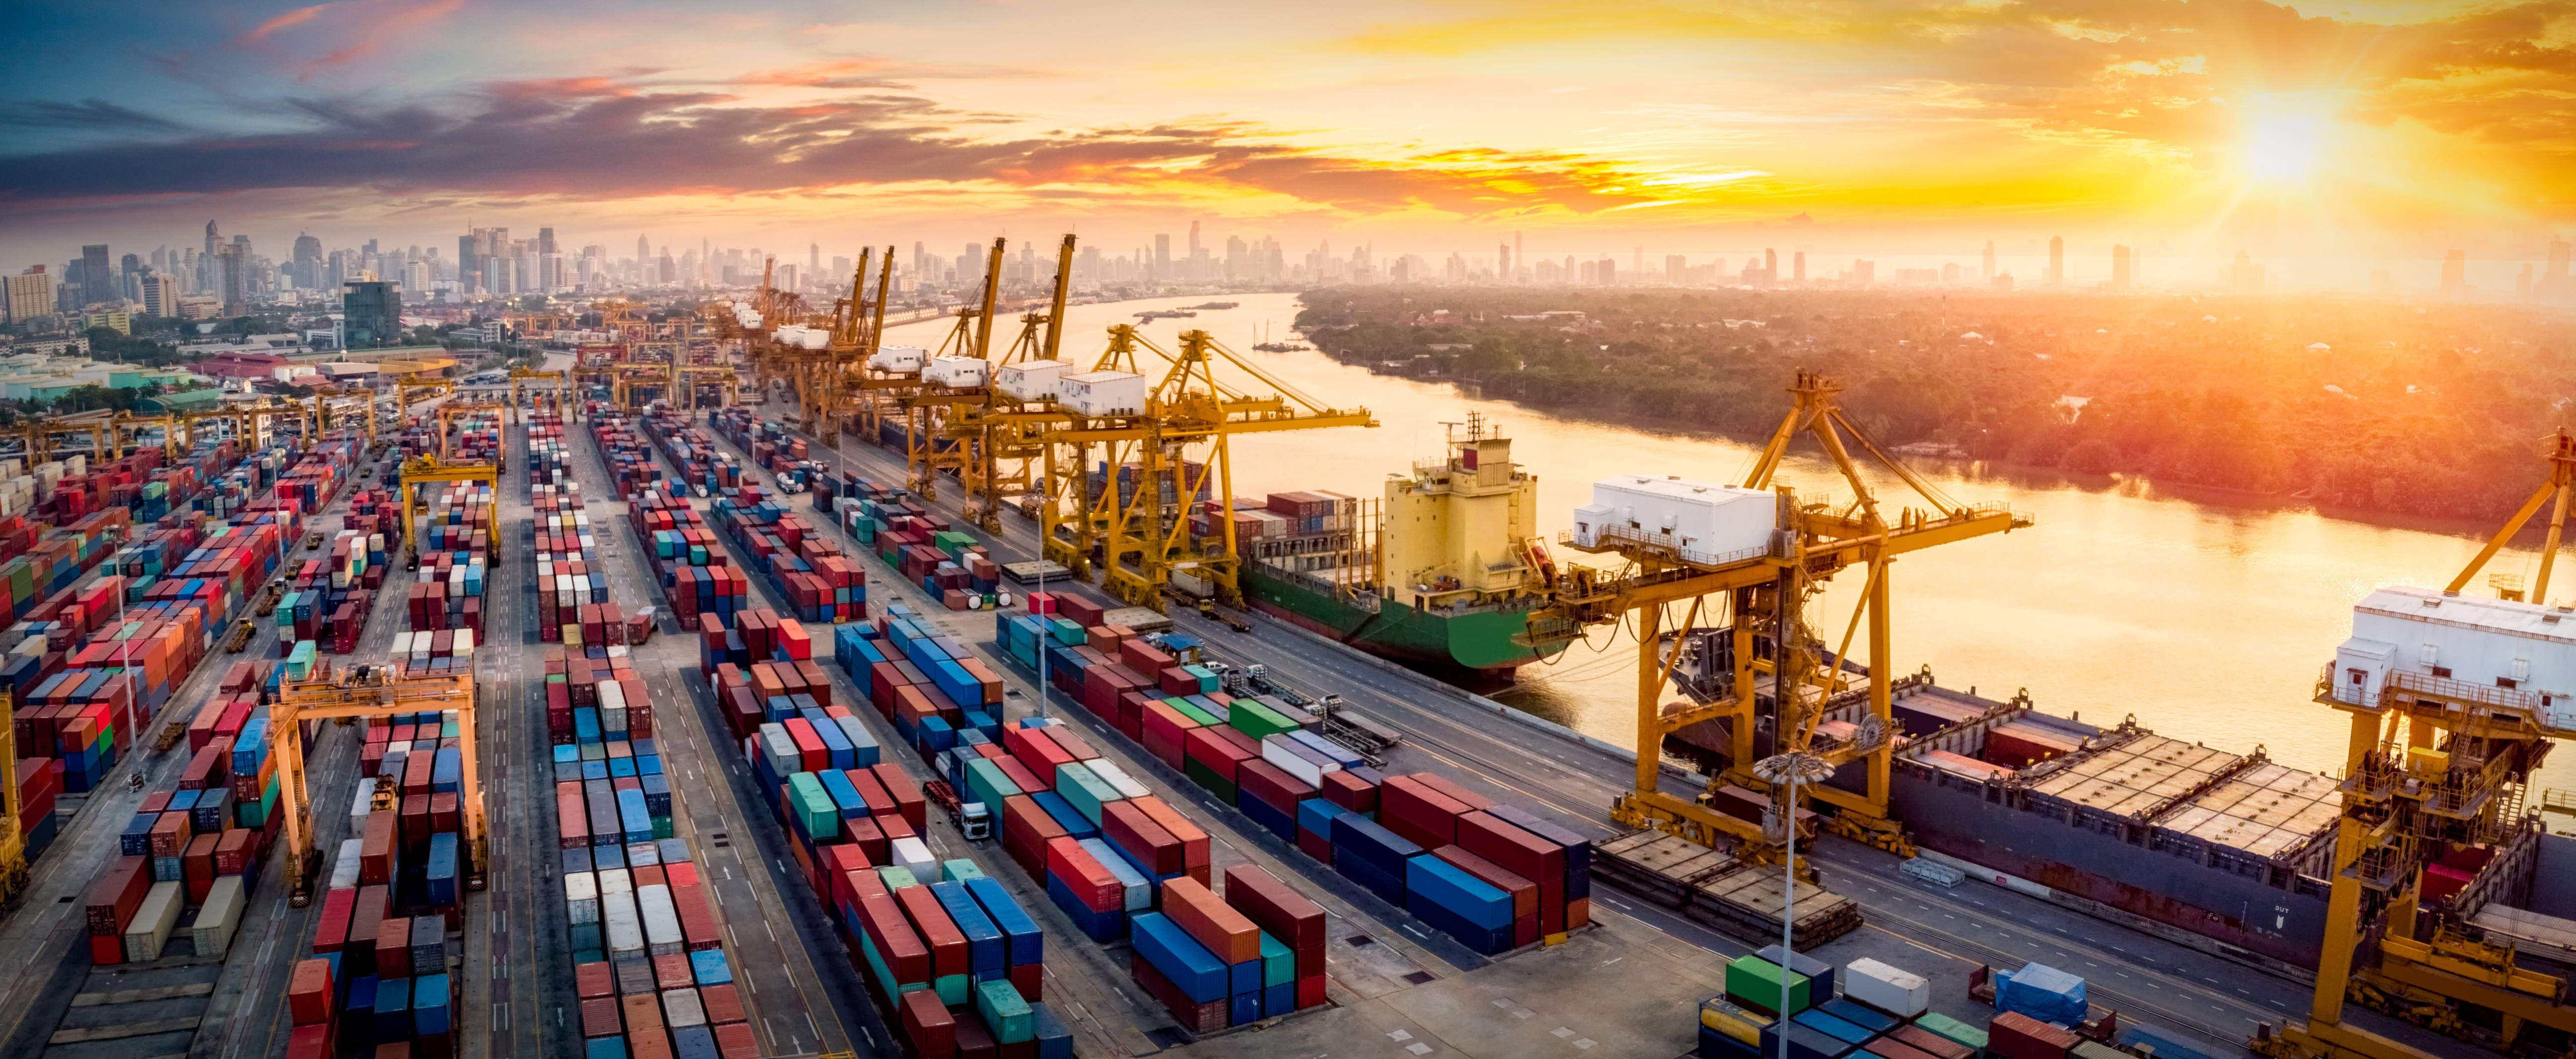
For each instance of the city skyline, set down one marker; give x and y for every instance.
(1862, 127)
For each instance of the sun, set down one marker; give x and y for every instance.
(2284, 147)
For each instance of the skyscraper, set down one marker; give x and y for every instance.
(1770, 264)
(160, 295)
(1798, 267)
(2120, 269)
(1517, 255)
(98, 281)
(307, 265)
(2455, 274)
(1163, 256)
(371, 315)
(206, 278)
(1503, 271)
(1990, 260)
(31, 295)
(2056, 261)
(546, 242)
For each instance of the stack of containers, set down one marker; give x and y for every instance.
(196, 846)
(957, 962)
(456, 542)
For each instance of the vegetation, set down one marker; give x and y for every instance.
(2420, 409)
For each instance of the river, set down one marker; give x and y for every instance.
(2206, 617)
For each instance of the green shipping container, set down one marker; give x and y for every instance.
(1004, 1012)
(987, 783)
(959, 871)
(812, 806)
(1278, 962)
(1205, 777)
(1755, 983)
(1256, 720)
(1067, 633)
(1953, 1029)
(1084, 790)
(1204, 718)
(953, 989)
(896, 877)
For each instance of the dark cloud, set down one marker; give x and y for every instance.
(602, 138)
(88, 114)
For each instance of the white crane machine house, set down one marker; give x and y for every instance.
(2523, 653)
(1700, 522)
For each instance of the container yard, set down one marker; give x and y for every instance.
(764, 783)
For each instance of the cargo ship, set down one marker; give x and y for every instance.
(1441, 572)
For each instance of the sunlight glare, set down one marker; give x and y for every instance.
(2284, 146)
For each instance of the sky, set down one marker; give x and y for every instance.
(2363, 128)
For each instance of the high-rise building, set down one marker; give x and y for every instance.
(416, 277)
(31, 295)
(2120, 269)
(370, 315)
(2455, 274)
(306, 269)
(1503, 267)
(546, 242)
(1798, 267)
(98, 281)
(1676, 269)
(1864, 272)
(232, 289)
(2554, 281)
(1988, 272)
(160, 294)
(206, 278)
(1163, 257)
(129, 275)
(2056, 261)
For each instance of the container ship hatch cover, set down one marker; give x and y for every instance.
(1443, 571)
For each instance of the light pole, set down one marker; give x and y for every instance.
(1786, 771)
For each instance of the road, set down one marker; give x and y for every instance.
(1573, 783)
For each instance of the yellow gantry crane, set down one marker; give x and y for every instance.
(2435, 765)
(561, 398)
(1784, 680)
(369, 691)
(1163, 454)
(944, 396)
(426, 469)
(13, 842)
(1007, 431)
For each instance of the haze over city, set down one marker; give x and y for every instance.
(2315, 139)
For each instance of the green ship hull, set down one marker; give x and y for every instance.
(1480, 641)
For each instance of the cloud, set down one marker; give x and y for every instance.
(88, 114)
(597, 137)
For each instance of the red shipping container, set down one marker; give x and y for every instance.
(331, 925)
(1128, 828)
(2013, 1035)
(899, 785)
(734, 1040)
(929, 1031)
(897, 944)
(1350, 792)
(948, 952)
(1275, 788)
(1084, 875)
(723, 1004)
(309, 993)
(1422, 815)
(1193, 1016)
(1211, 749)
(599, 1017)
(1194, 840)
(1274, 907)
(593, 980)
(114, 897)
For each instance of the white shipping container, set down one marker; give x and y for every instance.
(956, 372)
(1031, 380)
(1139, 889)
(914, 854)
(616, 881)
(662, 936)
(623, 925)
(344, 865)
(1102, 393)
(153, 921)
(220, 918)
(612, 695)
(581, 897)
(1276, 749)
(1114, 776)
(1705, 523)
(1901, 993)
(897, 358)
(644, 855)
(682, 1008)
(364, 803)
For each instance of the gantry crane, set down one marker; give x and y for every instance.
(1193, 401)
(2438, 764)
(368, 691)
(426, 469)
(928, 411)
(561, 398)
(1784, 685)
(13, 841)
(1008, 434)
